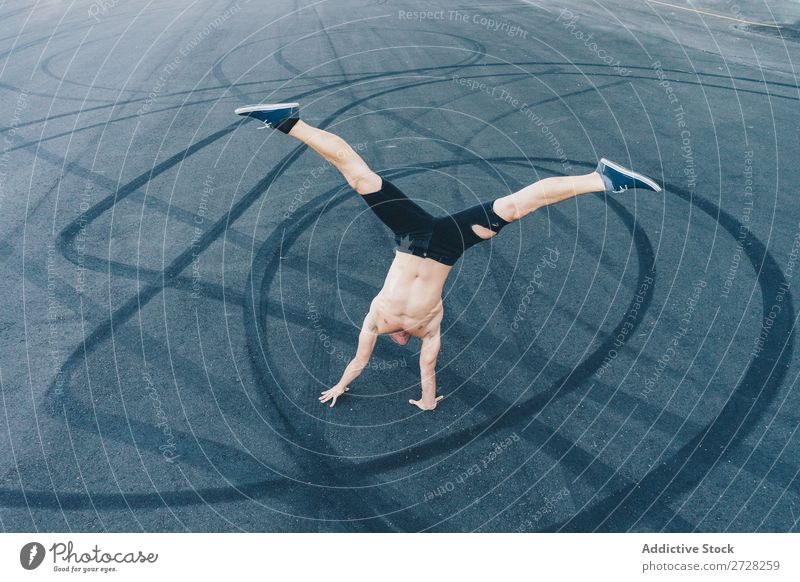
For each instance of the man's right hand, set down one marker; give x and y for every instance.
(424, 404)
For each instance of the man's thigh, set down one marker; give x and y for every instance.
(403, 216)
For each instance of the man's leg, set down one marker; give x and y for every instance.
(545, 192)
(339, 153)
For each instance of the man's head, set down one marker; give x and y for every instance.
(401, 338)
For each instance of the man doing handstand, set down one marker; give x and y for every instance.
(410, 302)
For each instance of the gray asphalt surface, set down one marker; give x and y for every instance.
(178, 286)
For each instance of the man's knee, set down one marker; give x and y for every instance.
(508, 208)
(365, 183)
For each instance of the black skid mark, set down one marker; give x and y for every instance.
(758, 388)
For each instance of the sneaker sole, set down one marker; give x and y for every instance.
(631, 174)
(271, 107)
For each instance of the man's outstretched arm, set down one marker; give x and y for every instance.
(427, 371)
(366, 343)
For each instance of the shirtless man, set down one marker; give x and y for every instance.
(410, 302)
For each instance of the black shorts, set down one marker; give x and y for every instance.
(416, 231)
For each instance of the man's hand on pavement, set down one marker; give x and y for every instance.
(333, 394)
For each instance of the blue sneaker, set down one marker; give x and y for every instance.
(281, 116)
(618, 178)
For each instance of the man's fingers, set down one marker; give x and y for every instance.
(419, 404)
(332, 393)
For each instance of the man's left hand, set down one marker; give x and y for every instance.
(333, 394)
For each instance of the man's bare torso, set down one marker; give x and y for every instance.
(411, 297)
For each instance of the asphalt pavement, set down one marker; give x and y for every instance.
(179, 286)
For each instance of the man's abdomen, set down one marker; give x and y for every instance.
(411, 295)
